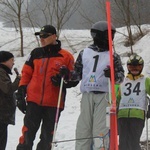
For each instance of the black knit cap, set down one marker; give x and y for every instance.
(5, 55)
(46, 29)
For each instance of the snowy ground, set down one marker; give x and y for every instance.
(76, 41)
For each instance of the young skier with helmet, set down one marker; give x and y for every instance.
(92, 68)
(132, 104)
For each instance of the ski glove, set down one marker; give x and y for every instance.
(63, 72)
(20, 96)
(56, 80)
(107, 72)
(148, 112)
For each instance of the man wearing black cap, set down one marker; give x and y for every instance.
(7, 101)
(47, 35)
(40, 84)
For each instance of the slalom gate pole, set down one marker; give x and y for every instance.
(57, 113)
(113, 115)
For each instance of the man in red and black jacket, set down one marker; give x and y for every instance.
(39, 85)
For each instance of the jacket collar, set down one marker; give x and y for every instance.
(97, 49)
(53, 49)
(130, 76)
(5, 68)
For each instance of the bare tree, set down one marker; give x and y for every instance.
(128, 13)
(128, 18)
(28, 19)
(20, 13)
(54, 12)
(92, 7)
(11, 12)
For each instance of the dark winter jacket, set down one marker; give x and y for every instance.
(7, 101)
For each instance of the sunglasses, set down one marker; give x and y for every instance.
(44, 36)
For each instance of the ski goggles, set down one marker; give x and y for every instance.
(135, 67)
(45, 35)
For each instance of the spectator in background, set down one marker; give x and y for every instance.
(39, 88)
(92, 68)
(7, 101)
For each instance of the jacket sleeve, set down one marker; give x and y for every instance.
(6, 85)
(118, 94)
(119, 71)
(147, 85)
(71, 83)
(27, 71)
(77, 74)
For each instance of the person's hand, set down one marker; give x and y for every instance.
(107, 72)
(20, 97)
(19, 76)
(148, 112)
(56, 80)
(64, 72)
(74, 76)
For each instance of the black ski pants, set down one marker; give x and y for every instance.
(3, 135)
(36, 115)
(130, 130)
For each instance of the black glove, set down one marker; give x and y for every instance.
(74, 76)
(64, 72)
(20, 96)
(107, 72)
(56, 80)
(148, 112)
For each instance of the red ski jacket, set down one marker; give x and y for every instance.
(42, 64)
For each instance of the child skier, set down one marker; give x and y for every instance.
(132, 104)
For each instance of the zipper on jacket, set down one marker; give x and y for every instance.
(43, 84)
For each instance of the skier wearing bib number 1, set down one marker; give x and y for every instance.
(92, 67)
(132, 104)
